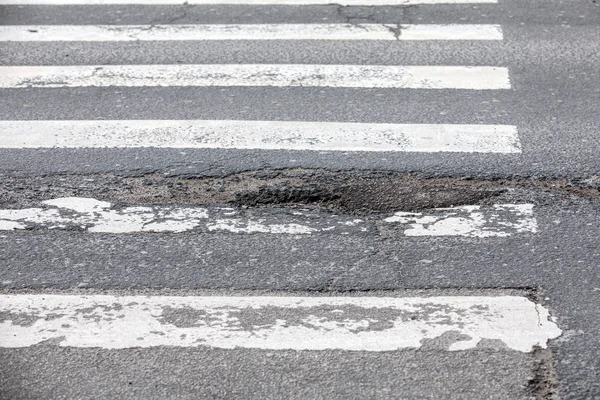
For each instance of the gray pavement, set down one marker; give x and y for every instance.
(50, 372)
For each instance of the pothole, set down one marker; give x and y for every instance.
(350, 192)
(364, 195)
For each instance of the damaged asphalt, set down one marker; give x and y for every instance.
(347, 192)
(558, 262)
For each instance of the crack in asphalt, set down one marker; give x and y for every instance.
(350, 19)
(395, 29)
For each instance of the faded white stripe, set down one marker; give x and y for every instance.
(351, 76)
(92, 215)
(500, 220)
(96, 33)
(298, 323)
(252, 2)
(271, 135)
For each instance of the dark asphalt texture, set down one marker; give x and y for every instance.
(200, 373)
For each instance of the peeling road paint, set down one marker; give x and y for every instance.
(269, 322)
(500, 220)
(91, 215)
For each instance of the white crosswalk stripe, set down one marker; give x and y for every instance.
(316, 136)
(99, 33)
(298, 323)
(275, 75)
(500, 220)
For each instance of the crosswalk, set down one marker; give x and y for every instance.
(301, 322)
(265, 135)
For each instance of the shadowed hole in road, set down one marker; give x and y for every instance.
(350, 192)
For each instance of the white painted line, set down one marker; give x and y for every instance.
(236, 225)
(268, 135)
(98, 33)
(96, 216)
(450, 32)
(92, 215)
(500, 220)
(249, 2)
(277, 323)
(279, 75)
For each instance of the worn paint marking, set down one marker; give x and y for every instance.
(268, 135)
(269, 322)
(500, 220)
(97, 33)
(91, 215)
(87, 214)
(273, 75)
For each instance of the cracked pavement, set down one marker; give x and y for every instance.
(262, 219)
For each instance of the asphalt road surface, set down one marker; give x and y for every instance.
(385, 199)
